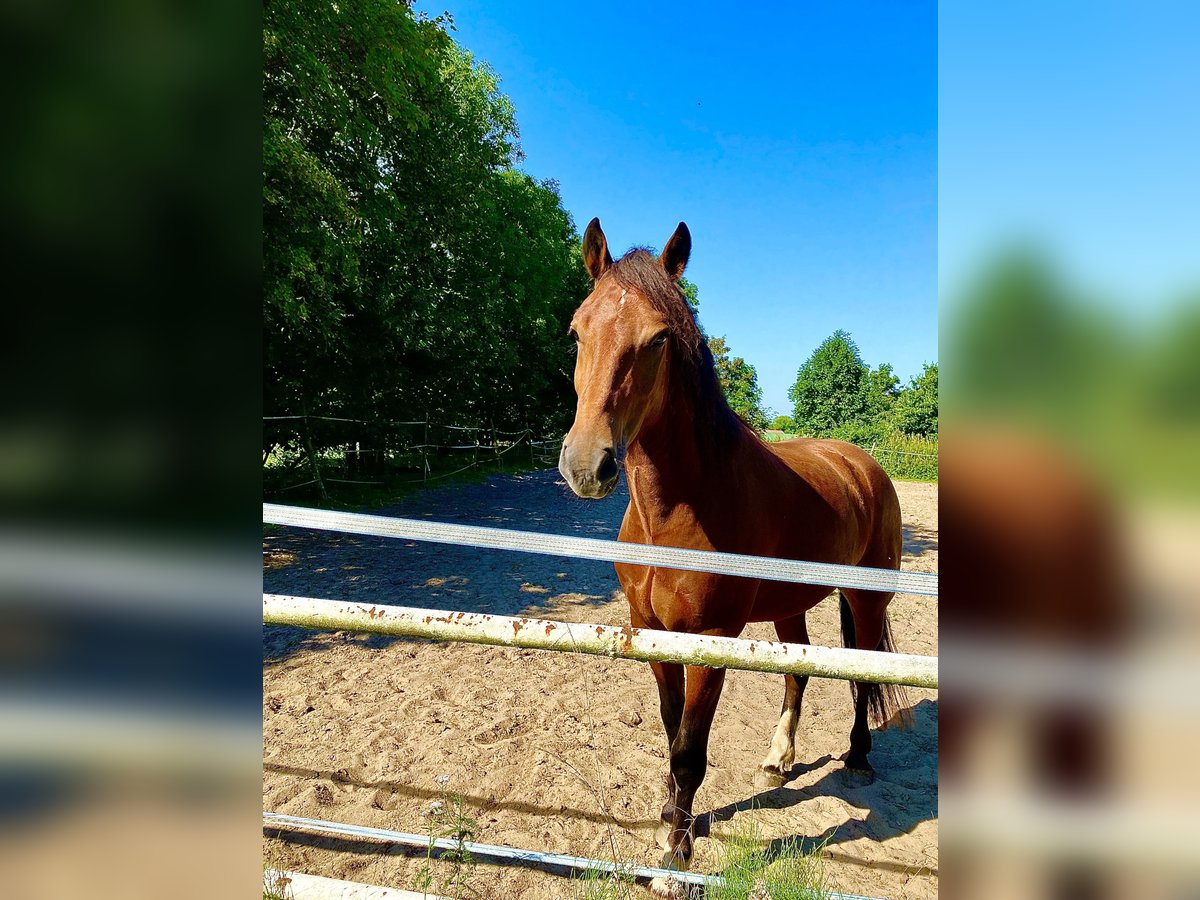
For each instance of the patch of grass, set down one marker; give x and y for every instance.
(276, 885)
(908, 457)
(593, 885)
(750, 869)
(753, 870)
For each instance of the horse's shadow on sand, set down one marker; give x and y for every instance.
(900, 798)
(918, 541)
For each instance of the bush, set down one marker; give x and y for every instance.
(907, 457)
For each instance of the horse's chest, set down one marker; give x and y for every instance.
(669, 598)
(674, 600)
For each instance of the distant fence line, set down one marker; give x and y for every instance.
(873, 450)
(490, 446)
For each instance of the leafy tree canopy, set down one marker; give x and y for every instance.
(739, 382)
(830, 388)
(916, 409)
(409, 269)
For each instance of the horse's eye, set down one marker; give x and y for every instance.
(660, 340)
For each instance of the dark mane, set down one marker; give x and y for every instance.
(716, 424)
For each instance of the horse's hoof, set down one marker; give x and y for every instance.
(857, 776)
(668, 888)
(671, 861)
(769, 778)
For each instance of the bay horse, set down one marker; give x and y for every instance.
(700, 478)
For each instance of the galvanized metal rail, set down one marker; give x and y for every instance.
(793, 570)
(277, 822)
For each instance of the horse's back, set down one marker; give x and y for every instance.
(853, 483)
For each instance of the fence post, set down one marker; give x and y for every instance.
(312, 458)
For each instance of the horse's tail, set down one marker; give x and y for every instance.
(883, 700)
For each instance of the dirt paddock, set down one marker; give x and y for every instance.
(556, 751)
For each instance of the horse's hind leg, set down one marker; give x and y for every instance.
(864, 626)
(773, 770)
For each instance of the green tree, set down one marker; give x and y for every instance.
(739, 383)
(829, 392)
(881, 389)
(690, 293)
(409, 268)
(916, 409)
(784, 423)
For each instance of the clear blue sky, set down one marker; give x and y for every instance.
(1073, 126)
(799, 144)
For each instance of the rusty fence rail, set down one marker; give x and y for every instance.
(642, 644)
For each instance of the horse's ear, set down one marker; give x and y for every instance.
(675, 255)
(595, 250)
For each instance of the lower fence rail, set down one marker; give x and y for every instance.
(561, 861)
(642, 644)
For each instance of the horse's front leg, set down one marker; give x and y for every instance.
(689, 762)
(670, 705)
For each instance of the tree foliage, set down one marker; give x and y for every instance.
(785, 424)
(881, 388)
(830, 389)
(410, 270)
(690, 293)
(916, 408)
(739, 382)
(836, 394)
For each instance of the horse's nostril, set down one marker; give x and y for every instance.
(607, 470)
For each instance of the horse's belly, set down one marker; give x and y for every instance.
(781, 600)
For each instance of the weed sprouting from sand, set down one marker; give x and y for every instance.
(448, 818)
(276, 885)
(750, 869)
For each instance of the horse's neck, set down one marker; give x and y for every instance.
(665, 465)
(671, 477)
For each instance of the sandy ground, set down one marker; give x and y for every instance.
(554, 751)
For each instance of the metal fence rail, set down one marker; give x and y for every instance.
(792, 570)
(277, 822)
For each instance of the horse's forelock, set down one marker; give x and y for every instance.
(640, 270)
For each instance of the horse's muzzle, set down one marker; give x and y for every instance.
(592, 475)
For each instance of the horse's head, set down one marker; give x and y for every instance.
(624, 332)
